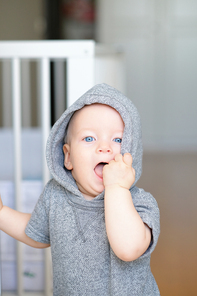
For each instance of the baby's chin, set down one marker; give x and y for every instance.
(93, 195)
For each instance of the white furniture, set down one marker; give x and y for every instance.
(79, 56)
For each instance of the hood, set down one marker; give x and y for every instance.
(131, 142)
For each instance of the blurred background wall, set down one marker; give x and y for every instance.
(159, 41)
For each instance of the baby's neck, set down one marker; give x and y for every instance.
(87, 197)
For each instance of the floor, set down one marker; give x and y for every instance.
(172, 179)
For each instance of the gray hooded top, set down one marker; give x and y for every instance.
(83, 261)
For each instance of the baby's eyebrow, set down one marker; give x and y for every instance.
(85, 131)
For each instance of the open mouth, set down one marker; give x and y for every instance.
(99, 169)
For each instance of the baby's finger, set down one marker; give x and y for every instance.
(118, 157)
(127, 158)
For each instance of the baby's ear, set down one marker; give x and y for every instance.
(67, 162)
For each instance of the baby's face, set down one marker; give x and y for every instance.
(94, 138)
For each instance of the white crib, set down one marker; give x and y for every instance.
(79, 56)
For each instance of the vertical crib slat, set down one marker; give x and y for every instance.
(45, 122)
(26, 93)
(16, 117)
(45, 110)
(6, 94)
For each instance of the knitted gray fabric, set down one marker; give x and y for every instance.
(83, 261)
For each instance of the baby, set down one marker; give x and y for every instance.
(100, 226)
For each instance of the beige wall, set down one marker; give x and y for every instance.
(21, 19)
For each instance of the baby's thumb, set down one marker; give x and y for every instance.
(127, 158)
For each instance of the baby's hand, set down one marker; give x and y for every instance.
(119, 171)
(1, 204)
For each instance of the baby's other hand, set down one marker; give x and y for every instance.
(1, 203)
(119, 171)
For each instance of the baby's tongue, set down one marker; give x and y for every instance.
(99, 169)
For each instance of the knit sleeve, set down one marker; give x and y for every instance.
(148, 210)
(38, 225)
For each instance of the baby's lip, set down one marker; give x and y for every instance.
(99, 169)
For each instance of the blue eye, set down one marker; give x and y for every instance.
(118, 140)
(89, 139)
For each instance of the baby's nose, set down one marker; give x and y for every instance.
(104, 147)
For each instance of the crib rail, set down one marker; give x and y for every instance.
(79, 56)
